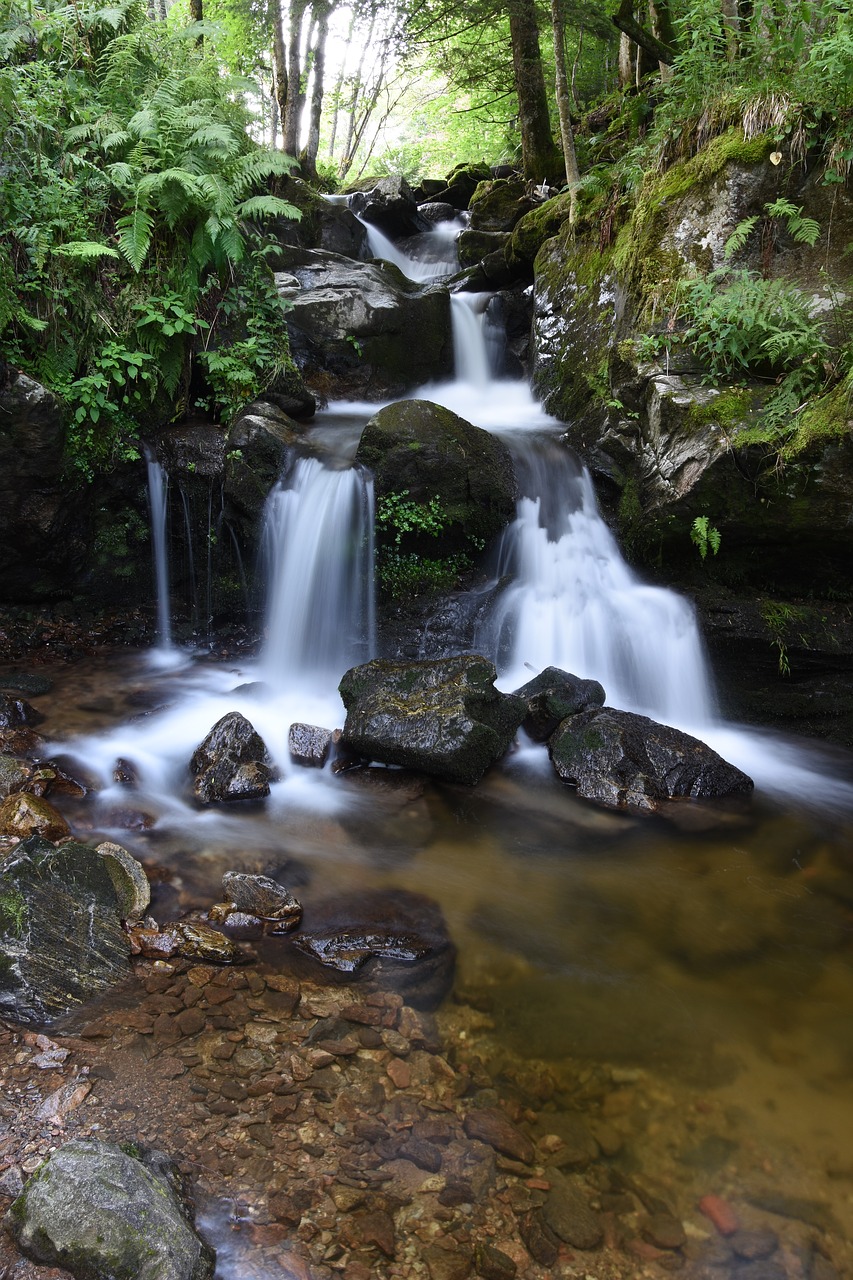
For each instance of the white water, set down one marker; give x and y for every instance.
(318, 542)
(158, 502)
(439, 251)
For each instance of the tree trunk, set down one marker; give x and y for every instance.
(197, 15)
(567, 133)
(294, 96)
(660, 20)
(626, 62)
(624, 19)
(318, 71)
(279, 62)
(538, 153)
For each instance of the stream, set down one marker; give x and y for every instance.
(702, 961)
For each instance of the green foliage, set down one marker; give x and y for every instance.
(405, 572)
(130, 193)
(779, 618)
(399, 515)
(705, 536)
(13, 913)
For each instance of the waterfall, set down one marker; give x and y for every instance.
(318, 544)
(435, 258)
(158, 494)
(470, 354)
(575, 604)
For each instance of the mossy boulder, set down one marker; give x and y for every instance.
(27, 815)
(554, 695)
(426, 451)
(497, 205)
(61, 939)
(462, 182)
(575, 321)
(473, 246)
(106, 1212)
(257, 449)
(624, 760)
(443, 717)
(533, 229)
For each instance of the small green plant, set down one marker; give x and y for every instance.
(399, 515)
(13, 913)
(705, 536)
(778, 619)
(356, 345)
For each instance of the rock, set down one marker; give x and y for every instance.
(552, 696)
(443, 717)
(129, 880)
(61, 940)
(260, 896)
(752, 1244)
(721, 1213)
(390, 206)
(492, 1126)
(541, 1242)
(493, 1264)
(15, 773)
(257, 448)
(426, 451)
(570, 1217)
(437, 211)
(26, 815)
(473, 246)
(194, 448)
(29, 682)
(232, 763)
(498, 204)
(462, 182)
(361, 330)
(308, 745)
(393, 939)
(664, 1231)
(100, 1210)
(16, 711)
(621, 759)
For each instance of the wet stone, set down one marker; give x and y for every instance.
(493, 1264)
(309, 745)
(752, 1245)
(664, 1231)
(570, 1217)
(491, 1126)
(541, 1242)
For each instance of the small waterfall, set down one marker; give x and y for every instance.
(470, 353)
(575, 604)
(435, 260)
(158, 502)
(318, 541)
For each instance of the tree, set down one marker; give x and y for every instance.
(538, 155)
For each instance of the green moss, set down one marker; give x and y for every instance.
(728, 410)
(537, 226)
(651, 270)
(825, 419)
(13, 913)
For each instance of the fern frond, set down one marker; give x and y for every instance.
(134, 232)
(739, 237)
(267, 207)
(143, 124)
(85, 249)
(216, 136)
(118, 138)
(120, 173)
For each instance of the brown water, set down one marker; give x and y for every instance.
(702, 965)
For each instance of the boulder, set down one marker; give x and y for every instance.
(109, 1212)
(437, 211)
(427, 451)
(389, 937)
(17, 711)
(29, 815)
(389, 205)
(261, 896)
(625, 760)
(444, 717)
(130, 882)
(462, 182)
(257, 448)
(232, 763)
(15, 774)
(195, 447)
(552, 696)
(363, 330)
(476, 245)
(498, 204)
(61, 940)
(309, 745)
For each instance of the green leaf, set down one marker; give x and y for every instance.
(134, 232)
(85, 249)
(267, 207)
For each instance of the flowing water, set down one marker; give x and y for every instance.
(705, 961)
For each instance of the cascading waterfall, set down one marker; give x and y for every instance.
(470, 354)
(318, 541)
(158, 495)
(438, 247)
(575, 604)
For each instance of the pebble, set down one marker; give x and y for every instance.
(570, 1217)
(493, 1127)
(720, 1213)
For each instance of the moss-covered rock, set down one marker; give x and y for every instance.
(104, 1212)
(473, 246)
(531, 232)
(426, 451)
(444, 717)
(497, 205)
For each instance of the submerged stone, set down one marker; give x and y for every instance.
(107, 1212)
(444, 717)
(626, 760)
(261, 896)
(129, 880)
(61, 940)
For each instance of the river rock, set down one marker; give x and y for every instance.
(570, 1217)
(28, 815)
(61, 940)
(626, 760)
(362, 330)
(309, 745)
(232, 763)
(552, 696)
(15, 773)
(392, 938)
(106, 1212)
(129, 880)
(498, 204)
(391, 206)
(16, 711)
(444, 717)
(428, 451)
(261, 896)
(257, 448)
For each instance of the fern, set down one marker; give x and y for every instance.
(803, 230)
(134, 233)
(267, 207)
(85, 249)
(739, 237)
